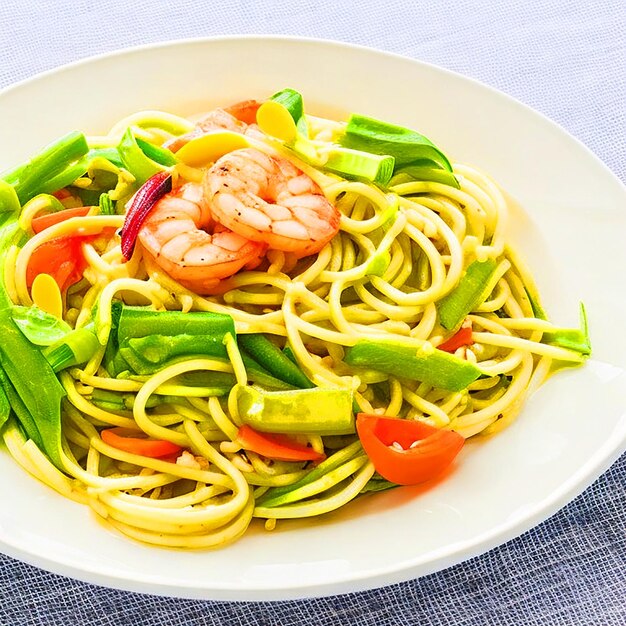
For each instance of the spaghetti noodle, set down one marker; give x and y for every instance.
(401, 249)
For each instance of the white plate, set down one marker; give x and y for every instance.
(572, 235)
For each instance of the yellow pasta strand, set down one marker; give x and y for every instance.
(398, 252)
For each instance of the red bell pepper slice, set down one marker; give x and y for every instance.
(142, 203)
(62, 258)
(45, 221)
(425, 450)
(121, 439)
(463, 337)
(273, 446)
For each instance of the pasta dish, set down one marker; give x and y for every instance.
(259, 314)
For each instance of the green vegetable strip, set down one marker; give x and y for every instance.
(576, 339)
(5, 406)
(405, 145)
(114, 362)
(33, 177)
(66, 177)
(269, 356)
(289, 353)
(413, 172)
(351, 164)
(111, 400)
(144, 341)
(9, 211)
(147, 339)
(472, 290)
(260, 376)
(110, 154)
(145, 352)
(328, 465)
(255, 372)
(141, 322)
(27, 371)
(427, 364)
(107, 206)
(168, 349)
(292, 101)
(9, 202)
(21, 411)
(376, 484)
(38, 326)
(359, 165)
(75, 348)
(538, 311)
(156, 153)
(78, 169)
(12, 176)
(324, 483)
(378, 263)
(60, 358)
(135, 160)
(205, 379)
(89, 197)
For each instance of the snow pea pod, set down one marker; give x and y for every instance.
(28, 380)
(33, 177)
(426, 364)
(472, 290)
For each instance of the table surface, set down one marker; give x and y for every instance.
(565, 58)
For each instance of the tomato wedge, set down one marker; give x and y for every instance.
(50, 219)
(273, 446)
(121, 439)
(62, 258)
(407, 452)
(463, 337)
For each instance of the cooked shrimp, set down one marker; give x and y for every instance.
(187, 244)
(269, 200)
(236, 118)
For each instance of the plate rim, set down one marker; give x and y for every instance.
(315, 40)
(438, 560)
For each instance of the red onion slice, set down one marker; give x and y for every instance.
(148, 195)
